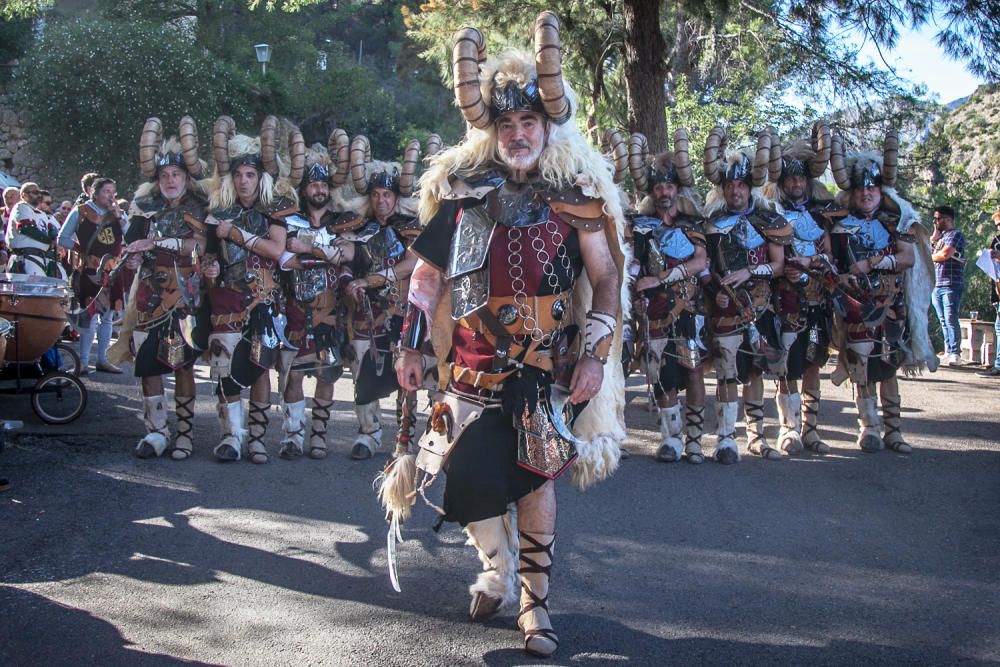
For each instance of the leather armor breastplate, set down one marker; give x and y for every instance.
(805, 233)
(866, 238)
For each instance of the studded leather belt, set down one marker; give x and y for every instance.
(549, 313)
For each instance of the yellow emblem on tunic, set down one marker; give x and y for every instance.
(106, 237)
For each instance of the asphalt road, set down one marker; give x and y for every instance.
(846, 559)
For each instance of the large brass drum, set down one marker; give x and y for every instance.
(37, 306)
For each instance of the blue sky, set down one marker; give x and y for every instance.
(917, 58)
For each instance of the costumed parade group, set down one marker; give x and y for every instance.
(505, 281)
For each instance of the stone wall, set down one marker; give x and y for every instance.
(17, 157)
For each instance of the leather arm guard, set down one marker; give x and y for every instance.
(242, 237)
(885, 263)
(171, 245)
(414, 329)
(677, 274)
(764, 270)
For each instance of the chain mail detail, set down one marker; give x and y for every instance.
(515, 247)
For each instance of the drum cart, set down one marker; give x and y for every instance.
(36, 309)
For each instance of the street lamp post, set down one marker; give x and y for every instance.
(263, 56)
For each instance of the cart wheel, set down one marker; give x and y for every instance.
(58, 398)
(69, 360)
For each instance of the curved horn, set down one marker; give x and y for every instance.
(774, 164)
(150, 142)
(758, 175)
(890, 158)
(433, 145)
(338, 146)
(468, 53)
(189, 145)
(222, 132)
(297, 157)
(837, 164)
(411, 157)
(715, 146)
(682, 158)
(638, 150)
(615, 147)
(360, 154)
(821, 149)
(548, 66)
(269, 145)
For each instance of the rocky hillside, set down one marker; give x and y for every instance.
(972, 133)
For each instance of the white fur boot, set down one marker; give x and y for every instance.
(369, 431)
(789, 438)
(293, 427)
(495, 540)
(154, 415)
(726, 450)
(869, 439)
(230, 448)
(671, 448)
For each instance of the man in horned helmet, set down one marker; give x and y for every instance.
(887, 259)
(671, 261)
(379, 292)
(804, 290)
(320, 264)
(746, 239)
(515, 214)
(249, 202)
(168, 235)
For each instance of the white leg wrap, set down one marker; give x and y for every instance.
(789, 438)
(671, 446)
(869, 424)
(233, 429)
(154, 416)
(293, 428)
(725, 430)
(496, 543)
(369, 427)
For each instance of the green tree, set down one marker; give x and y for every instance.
(90, 83)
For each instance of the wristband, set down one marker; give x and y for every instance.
(242, 237)
(885, 263)
(414, 329)
(173, 245)
(677, 274)
(763, 270)
(598, 335)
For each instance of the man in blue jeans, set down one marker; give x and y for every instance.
(949, 269)
(994, 370)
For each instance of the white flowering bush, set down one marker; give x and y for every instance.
(90, 84)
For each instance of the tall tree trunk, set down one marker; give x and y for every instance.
(645, 71)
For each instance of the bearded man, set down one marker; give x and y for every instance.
(31, 235)
(168, 234)
(672, 265)
(746, 239)
(807, 287)
(520, 286)
(251, 197)
(887, 259)
(320, 265)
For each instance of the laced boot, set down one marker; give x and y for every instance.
(369, 437)
(406, 418)
(257, 421)
(154, 415)
(892, 418)
(230, 448)
(726, 450)
(183, 445)
(789, 438)
(317, 434)
(497, 585)
(293, 426)
(810, 417)
(869, 439)
(694, 426)
(756, 443)
(536, 567)
(671, 448)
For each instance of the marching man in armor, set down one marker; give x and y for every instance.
(252, 195)
(746, 239)
(167, 219)
(887, 256)
(671, 260)
(319, 262)
(803, 291)
(382, 267)
(519, 286)
(31, 235)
